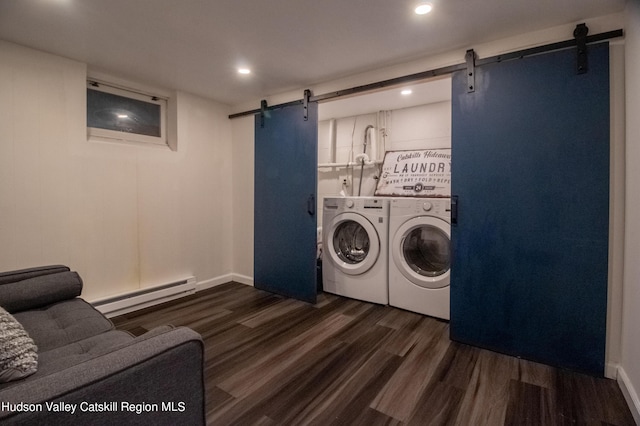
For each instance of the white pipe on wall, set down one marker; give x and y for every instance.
(332, 140)
(349, 164)
(373, 142)
(382, 128)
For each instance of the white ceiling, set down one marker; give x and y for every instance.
(432, 91)
(196, 45)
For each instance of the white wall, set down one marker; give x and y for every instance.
(125, 217)
(420, 127)
(242, 199)
(349, 142)
(630, 363)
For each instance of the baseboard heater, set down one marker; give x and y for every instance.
(127, 302)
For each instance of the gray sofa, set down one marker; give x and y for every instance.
(88, 372)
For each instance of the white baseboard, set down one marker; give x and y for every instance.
(212, 282)
(124, 303)
(630, 394)
(611, 370)
(133, 301)
(242, 279)
(223, 279)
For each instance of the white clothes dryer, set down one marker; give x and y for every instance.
(420, 255)
(355, 247)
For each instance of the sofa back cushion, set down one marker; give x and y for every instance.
(25, 274)
(18, 353)
(40, 291)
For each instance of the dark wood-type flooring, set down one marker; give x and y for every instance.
(270, 360)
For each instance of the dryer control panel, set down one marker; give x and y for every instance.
(439, 207)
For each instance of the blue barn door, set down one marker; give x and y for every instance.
(286, 162)
(530, 152)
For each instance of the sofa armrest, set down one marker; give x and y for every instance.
(40, 291)
(155, 380)
(24, 274)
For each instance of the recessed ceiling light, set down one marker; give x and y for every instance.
(423, 9)
(406, 92)
(244, 71)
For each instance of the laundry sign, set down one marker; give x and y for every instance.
(416, 173)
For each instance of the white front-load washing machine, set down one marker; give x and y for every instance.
(355, 247)
(420, 255)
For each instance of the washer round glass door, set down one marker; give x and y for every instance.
(422, 251)
(353, 243)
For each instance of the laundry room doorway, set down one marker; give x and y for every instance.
(355, 132)
(285, 201)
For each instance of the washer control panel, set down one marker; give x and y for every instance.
(375, 206)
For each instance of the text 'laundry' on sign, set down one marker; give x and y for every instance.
(416, 173)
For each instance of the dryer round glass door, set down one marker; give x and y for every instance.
(353, 243)
(422, 251)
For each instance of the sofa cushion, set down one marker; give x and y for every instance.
(18, 356)
(75, 353)
(62, 323)
(40, 291)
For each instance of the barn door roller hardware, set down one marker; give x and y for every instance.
(305, 103)
(580, 33)
(470, 59)
(263, 110)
